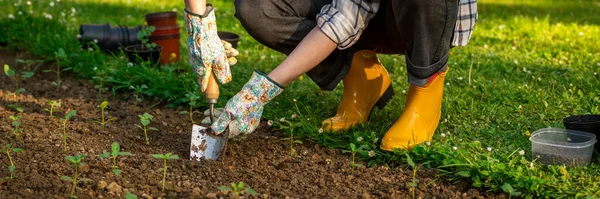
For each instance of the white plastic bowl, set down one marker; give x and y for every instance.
(562, 146)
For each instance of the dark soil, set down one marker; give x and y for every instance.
(261, 161)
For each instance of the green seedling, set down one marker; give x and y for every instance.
(415, 168)
(115, 152)
(16, 123)
(16, 108)
(76, 161)
(144, 35)
(353, 150)
(193, 103)
(137, 92)
(103, 106)
(11, 169)
(99, 79)
(52, 105)
(17, 77)
(165, 157)
(59, 55)
(145, 120)
(285, 124)
(237, 189)
(28, 63)
(69, 115)
(130, 196)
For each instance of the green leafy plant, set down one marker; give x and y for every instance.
(137, 92)
(69, 115)
(115, 152)
(353, 150)
(76, 161)
(415, 168)
(16, 123)
(102, 107)
(130, 196)
(29, 62)
(165, 157)
(237, 189)
(59, 56)
(17, 77)
(506, 187)
(144, 35)
(291, 126)
(16, 108)
(11, 168)
(52, 105)
(145, 120)
(193, 103)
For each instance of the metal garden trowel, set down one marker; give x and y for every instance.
(205, 144)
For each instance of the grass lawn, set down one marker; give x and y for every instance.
(529, 64)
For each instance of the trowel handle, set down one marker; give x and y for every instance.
(212, 89)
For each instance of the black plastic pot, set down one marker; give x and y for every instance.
(230, 37)
(586, 123)
(109, 38)
(135, 54)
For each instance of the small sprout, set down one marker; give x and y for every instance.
(69, 115)
(193, 103)
(286, 124)
(58, 55)
(415, 168)
(16, 123)
(145, 120)
(353, 150)
(52, 105)
(16, 108)
(103, 106)
(165, 157)
(237, 189)
(137, 92)
(130, 196)
(76, 161)
(11, 169)
(115, 152)
(17, 77)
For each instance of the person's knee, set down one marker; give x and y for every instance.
(254, 20)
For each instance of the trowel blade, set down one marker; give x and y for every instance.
(206, 144)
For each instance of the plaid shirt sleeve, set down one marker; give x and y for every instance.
(467, 16)
(344, 20)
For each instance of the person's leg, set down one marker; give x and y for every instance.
(368, 83)
(282, 24)
(426, 27)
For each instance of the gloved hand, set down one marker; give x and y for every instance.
(242, 113)
(207, 52)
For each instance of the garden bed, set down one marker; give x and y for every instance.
(261, 160)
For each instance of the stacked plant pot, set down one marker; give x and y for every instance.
(165, 35)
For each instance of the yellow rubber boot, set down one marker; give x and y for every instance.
(420, 118)
(366, 85)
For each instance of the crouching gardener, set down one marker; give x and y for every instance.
(334, 40)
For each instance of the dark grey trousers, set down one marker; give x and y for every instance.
(420, 29)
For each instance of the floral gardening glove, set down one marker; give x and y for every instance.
(242, 113)
(207, 52)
